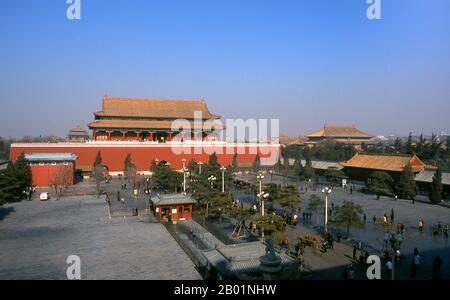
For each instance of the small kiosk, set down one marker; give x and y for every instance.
(172, 207)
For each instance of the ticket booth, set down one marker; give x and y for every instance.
(172, 207)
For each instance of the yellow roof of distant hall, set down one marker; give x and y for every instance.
(332, 131)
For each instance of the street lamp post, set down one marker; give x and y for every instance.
(211, 179)
(326, 191)
(185, 171)
(200, 168)
(262, 196)
(223, 169)
(260, 177)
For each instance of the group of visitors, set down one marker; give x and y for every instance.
(441, 229)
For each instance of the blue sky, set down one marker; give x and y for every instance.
(306, 62)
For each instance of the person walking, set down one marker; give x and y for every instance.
(374, 219)
(118, 196)
(420, 224)
(445, 230)
(392, 215)
(415, 263)
(365, 218)
(354, 252)
(389, 268)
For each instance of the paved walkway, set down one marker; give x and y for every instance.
(37, 237)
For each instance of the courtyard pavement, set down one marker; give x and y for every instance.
(37, 237)
(371, 236)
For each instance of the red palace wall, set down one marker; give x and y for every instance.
(44, 176)
(113, 155)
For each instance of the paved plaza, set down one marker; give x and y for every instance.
(37, 237)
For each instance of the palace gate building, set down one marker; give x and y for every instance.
(170, 131)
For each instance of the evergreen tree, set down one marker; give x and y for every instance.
(436, 187)
(15, 180)
(213, 162)
(129, 168)
(316, 205)
(192, 166)
(348, 215)
(406, 186)
(398, 145)
(308, 171)
(380, 183)
(98, 159)
(22, 172)
(409, 144)
(256, 164)
(420, 146)
(98, 172)
(234, 163)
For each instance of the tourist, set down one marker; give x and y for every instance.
(123, 200)
(445, 230)
(354, 252)
(365, 218)
(421, 224)
(416, 263)
(396, 197)
(398, 228)
(384, 219)
(294, 221)
(118, 196)
(362, 259)
(389, 268)
(331, 241)
(392, 215)
(436, 273)
(439, 227)
(398, 256)
(402, 228)
(339, 236)
(386, 238)
(374, 219)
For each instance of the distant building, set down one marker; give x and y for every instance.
(77, 134)
(341, 134)
(291, 140)
(361, 166)
(172, 207)
(51, 169)
(424, 181)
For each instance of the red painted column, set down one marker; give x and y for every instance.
(109, 135)
(137, 136)
(151, 136)
(170, 137)
(123, 136)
